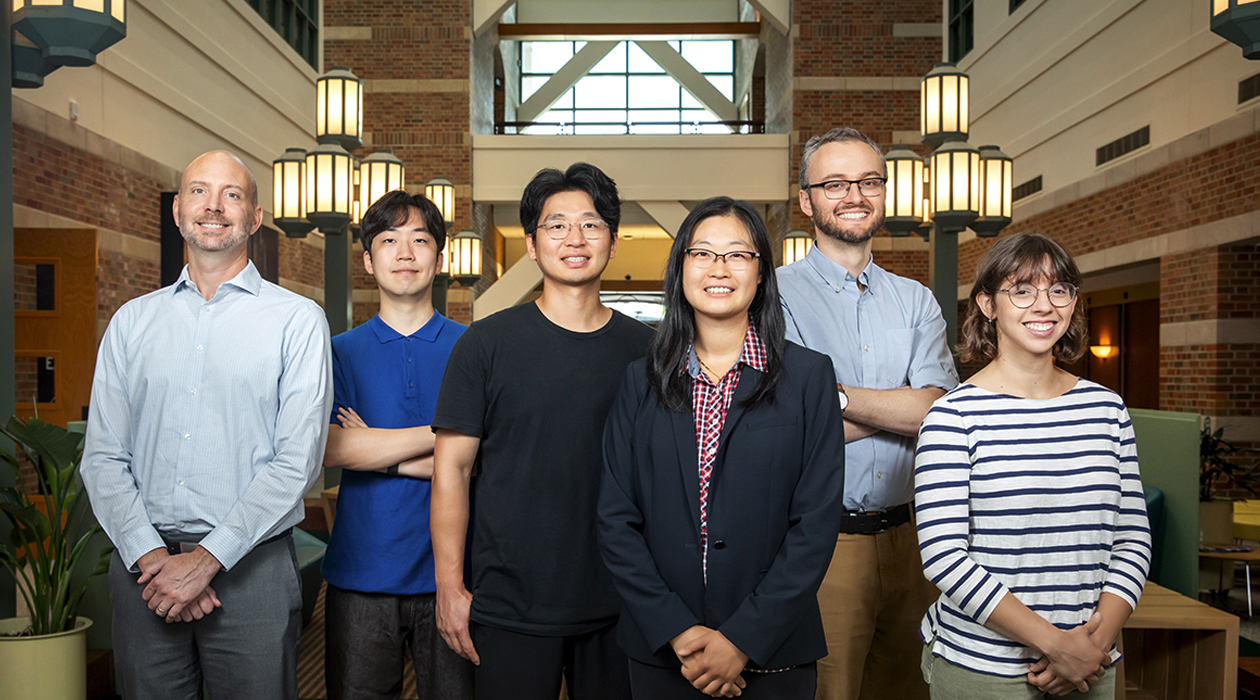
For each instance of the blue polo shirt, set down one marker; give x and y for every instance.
(380, 542)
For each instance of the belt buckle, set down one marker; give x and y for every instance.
(879, 518)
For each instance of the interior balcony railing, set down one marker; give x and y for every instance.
(614, 128)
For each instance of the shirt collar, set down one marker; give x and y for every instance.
(247, 280)
(428, 332)
(753, 354)
(837, 277)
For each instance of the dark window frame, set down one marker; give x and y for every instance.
(669, 114)
(297, 23)
(1248, 88)
(962, 28)
(1122, 146)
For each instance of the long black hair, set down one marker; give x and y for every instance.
(667, 355)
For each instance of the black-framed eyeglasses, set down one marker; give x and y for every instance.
(1025, 295)
(839, 189)
(592, 229)
(736, 260)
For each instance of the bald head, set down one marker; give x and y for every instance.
(222, 161)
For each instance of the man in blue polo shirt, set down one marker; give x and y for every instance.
(386, 373)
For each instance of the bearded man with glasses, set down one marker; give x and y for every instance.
(886, 340)
(524, 401)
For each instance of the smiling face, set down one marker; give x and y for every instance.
(1030, 332)
(718, 292)
(854, 218)
(404, 259)
(572, 260)
(215, 208)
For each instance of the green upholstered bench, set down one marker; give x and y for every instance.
(310, 555)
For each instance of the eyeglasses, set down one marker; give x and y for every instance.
(592, 229)
(839, 189)
(736, 260)
(1025, 295)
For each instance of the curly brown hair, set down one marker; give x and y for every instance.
(1023, 257)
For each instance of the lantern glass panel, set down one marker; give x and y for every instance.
(341, 184)
(336, 111)
(1008, 179)
(964, 116)
(321, 107)
(949, 102)
(352, 107)
(932, 114)
(91, 5)
(45, 3)
(118, 8)
(1219, 6)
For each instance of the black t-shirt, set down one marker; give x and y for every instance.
(537, 395)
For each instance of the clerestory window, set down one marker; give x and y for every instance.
(627, 92)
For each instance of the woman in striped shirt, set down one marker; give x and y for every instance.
(1030, 510)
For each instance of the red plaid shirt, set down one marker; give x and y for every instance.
(710, 402)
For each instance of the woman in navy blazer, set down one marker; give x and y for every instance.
(723, 479)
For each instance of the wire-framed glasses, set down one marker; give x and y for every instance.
(736, 260)
(839, 189)
(592, 229)
(1025, 295)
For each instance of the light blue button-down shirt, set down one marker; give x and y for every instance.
(888, 336)
(207, 417)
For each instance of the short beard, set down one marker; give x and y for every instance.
(189, 233)
(830, 227)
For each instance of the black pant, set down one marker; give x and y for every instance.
(517, 666)
(656, 683)
(365, 637)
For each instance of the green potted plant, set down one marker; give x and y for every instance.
(47, 543)
(1220, 470)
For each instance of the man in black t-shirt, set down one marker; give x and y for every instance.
(524, 399)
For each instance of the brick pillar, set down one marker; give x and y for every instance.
(415, 61)
(846, 62)
(1209, 358)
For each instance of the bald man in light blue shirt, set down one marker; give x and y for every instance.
(206, 428)
(886, 339)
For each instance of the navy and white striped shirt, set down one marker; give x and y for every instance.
(1037, 498)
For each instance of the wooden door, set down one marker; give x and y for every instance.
(55, 322)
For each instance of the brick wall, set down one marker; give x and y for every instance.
(60, 179)
(1216, 283)
(1213, 185)
(854, 38)
(428, 131)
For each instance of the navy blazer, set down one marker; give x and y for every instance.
(775, 499)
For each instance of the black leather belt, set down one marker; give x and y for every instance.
(873, 522)
(174, 547)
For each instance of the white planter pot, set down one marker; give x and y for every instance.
(51, 667)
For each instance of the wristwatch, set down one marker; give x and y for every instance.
(844, 398)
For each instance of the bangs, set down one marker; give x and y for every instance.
(1037, 257)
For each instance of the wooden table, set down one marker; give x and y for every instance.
(1176, 647)
(1245, 557)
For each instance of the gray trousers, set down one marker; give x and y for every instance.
(245, 649)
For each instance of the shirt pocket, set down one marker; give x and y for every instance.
(893, 362)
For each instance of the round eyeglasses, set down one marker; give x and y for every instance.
(736, 260)
(592, 229)
(839, 189)
(1025, 295)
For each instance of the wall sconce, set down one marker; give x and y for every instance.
(1102, 352)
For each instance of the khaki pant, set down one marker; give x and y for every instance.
(950, 682)
(872, 600)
